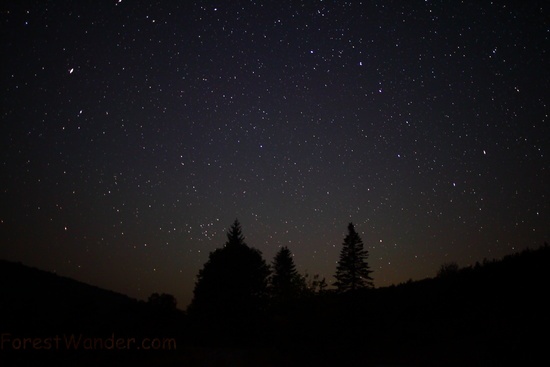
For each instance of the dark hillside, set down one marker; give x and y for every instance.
(495, 313)
(33, 300)
(491, 314)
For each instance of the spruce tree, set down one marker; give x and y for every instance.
(286, 282)
(353, 270)
(233, 282)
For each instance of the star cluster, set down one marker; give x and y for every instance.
(135, 132)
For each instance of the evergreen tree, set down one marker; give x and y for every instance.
(235, 235)
(233, 282)
(353, 271)
(286, 282)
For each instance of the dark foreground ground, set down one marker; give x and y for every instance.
(269, 357)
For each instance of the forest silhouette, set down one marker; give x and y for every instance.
(248, 312)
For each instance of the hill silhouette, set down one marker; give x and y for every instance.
(33, 299)
(495, 313)
(40, 306)
(491, 314)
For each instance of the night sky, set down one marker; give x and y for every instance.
(135, 132)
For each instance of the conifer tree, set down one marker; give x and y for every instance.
(286, 282)
(233, 282)
(353, 270)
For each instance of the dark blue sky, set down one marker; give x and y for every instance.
(135, 132)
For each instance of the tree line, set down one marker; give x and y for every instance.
(237, 281)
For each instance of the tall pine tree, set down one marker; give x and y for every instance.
(353, 270)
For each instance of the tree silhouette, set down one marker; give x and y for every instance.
(353, 271)
(164, 301)
(315, 284)
(448, 270)
(233, 282)
(286, 282)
